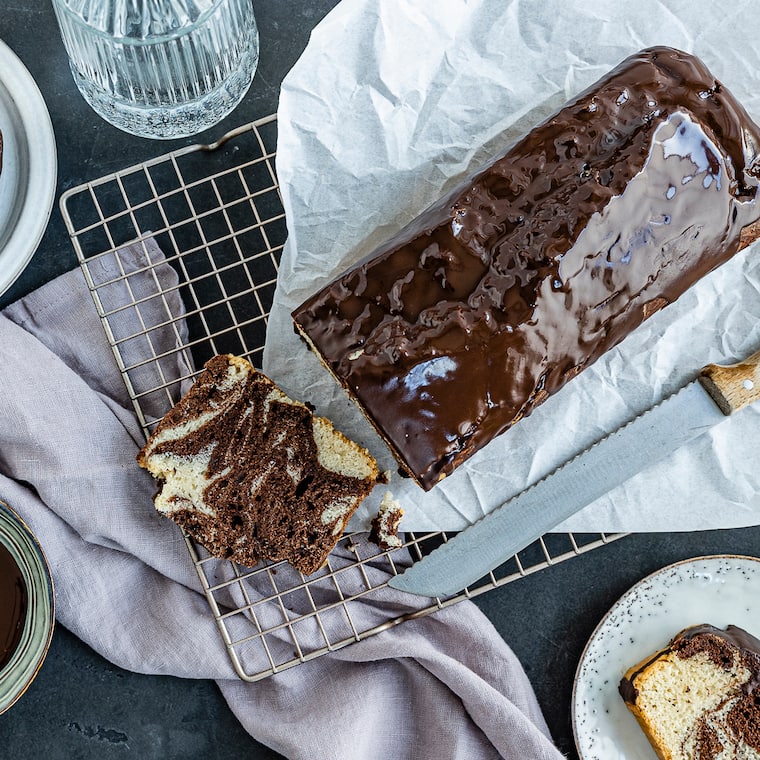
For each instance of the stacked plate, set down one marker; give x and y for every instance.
(29, 167)
(27, 608)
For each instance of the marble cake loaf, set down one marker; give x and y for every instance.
(251, 474)
(497, 295)
(699, 698)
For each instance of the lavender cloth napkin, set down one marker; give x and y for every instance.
(443, 686)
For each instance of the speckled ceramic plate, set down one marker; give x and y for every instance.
(28, 177)
(33, 645)
(719, 590)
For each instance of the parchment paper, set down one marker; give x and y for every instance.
(389, 105)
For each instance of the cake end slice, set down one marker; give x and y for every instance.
(251, 474)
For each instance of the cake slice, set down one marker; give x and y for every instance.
(251, 474)
(699, 698)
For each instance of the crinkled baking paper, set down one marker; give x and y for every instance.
(390, 104)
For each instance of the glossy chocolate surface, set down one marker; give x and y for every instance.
(496, 296)
(13, 606)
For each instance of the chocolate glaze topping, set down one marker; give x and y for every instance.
(497, 295)
(13, 606)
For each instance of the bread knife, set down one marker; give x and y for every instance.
(717, 392)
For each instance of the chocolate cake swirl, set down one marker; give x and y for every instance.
(497, 295)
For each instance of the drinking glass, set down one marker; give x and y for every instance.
(160, 68)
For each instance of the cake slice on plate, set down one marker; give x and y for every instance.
(699, 697)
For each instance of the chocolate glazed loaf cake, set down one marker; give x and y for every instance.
(497, 295)
(699, 698)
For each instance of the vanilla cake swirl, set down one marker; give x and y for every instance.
(251, 474)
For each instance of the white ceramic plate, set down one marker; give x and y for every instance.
(27, 658)
(28, 177)
(719, 590)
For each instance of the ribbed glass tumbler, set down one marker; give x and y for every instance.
(160, 68)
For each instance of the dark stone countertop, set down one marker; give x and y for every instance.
(81, 706)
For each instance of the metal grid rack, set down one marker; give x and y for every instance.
(215, 213)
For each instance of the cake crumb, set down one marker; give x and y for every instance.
(385, 525)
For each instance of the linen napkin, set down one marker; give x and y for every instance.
(445, 685)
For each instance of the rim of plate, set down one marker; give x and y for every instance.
(42, 167)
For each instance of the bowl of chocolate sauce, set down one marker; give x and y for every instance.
(27, 607)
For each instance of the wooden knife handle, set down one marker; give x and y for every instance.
(733, 386)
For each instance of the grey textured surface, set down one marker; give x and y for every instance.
(81, 706)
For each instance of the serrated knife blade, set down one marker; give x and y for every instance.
(477, 550)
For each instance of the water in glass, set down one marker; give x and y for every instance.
(160, 68)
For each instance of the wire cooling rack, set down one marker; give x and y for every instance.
(215, 213)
